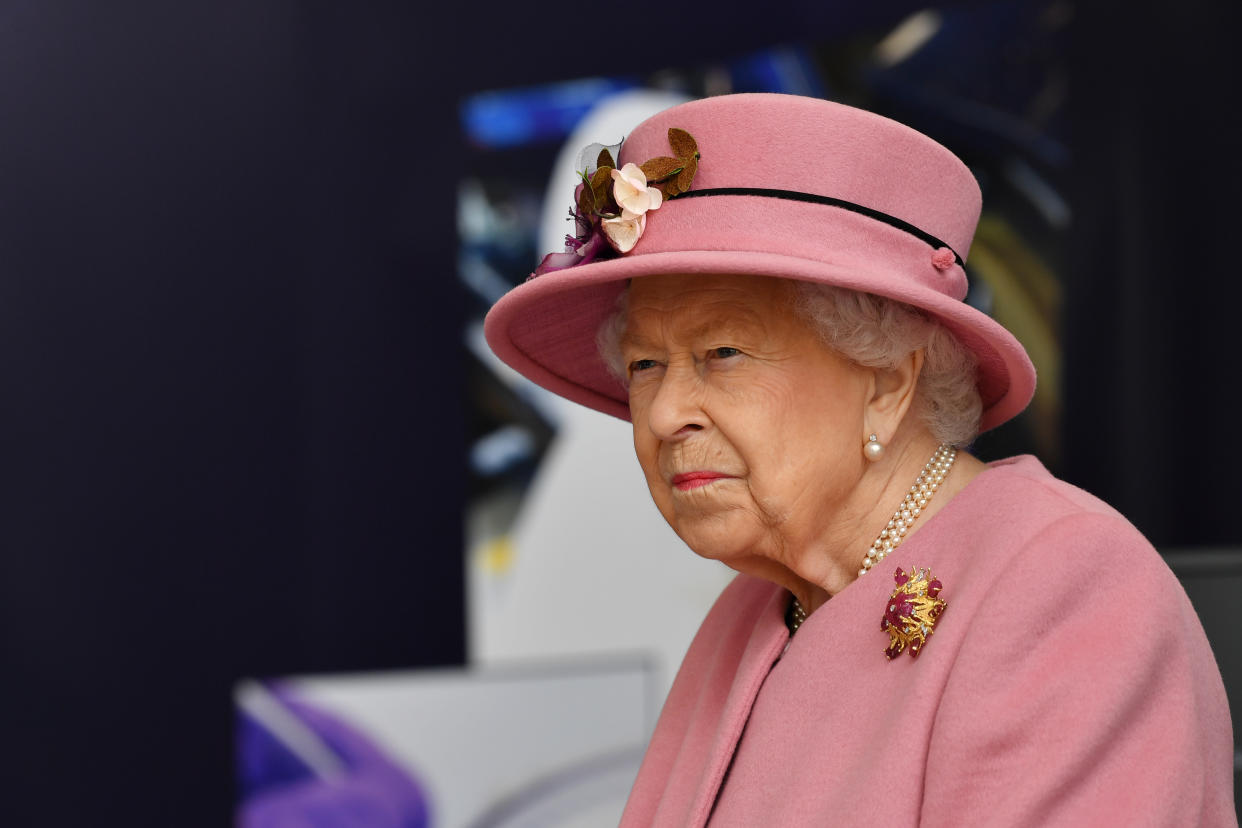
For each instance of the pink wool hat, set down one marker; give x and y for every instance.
(787, 187)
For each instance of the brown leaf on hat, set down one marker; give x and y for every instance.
(600, 178)
(658, 169)
(678, 184)
(683, 144)
(599, 187)
(687, 174)
(604, 159)
(669, 187)
(586, 198)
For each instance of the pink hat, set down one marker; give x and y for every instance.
(788, 187)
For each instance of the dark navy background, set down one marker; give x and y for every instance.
(231, 413)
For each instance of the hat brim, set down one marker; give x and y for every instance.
(546, 328)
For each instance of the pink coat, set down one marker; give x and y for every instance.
(1068, 682)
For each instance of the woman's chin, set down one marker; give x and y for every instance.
(718, 543)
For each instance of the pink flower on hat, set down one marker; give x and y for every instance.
(632, 193)
(623, 233)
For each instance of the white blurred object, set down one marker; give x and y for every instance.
(908, 37)
(591, 566)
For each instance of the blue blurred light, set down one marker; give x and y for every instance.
(515, 117)
(788, 69)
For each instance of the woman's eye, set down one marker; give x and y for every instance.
(642, 365)
(725, 353)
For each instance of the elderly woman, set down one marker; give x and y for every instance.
(770, 289)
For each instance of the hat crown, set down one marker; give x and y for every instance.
(806, 145)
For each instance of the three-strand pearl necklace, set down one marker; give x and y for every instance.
(907, 513)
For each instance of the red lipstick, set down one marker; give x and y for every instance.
(693, 480)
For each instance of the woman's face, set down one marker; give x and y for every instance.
(748, 428)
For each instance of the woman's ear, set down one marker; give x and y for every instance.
(892, 394)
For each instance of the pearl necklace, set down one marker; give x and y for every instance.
(796, 616)
(894, 533)
(920, 493)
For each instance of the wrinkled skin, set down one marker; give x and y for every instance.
(727, 382)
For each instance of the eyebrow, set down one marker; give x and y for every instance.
(629, 338)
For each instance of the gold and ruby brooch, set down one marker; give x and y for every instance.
(912, 611)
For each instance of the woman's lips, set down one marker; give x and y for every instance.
(693, 480)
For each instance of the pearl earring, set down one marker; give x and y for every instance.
(873, 449)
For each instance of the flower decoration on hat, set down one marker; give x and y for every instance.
(611, 205)
(912, 612)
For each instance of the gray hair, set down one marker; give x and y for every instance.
(875, 332)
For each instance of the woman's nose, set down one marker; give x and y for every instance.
(677, 409)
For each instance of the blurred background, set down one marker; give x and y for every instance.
(249, 429)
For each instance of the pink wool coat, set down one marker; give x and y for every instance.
(1068, 682)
